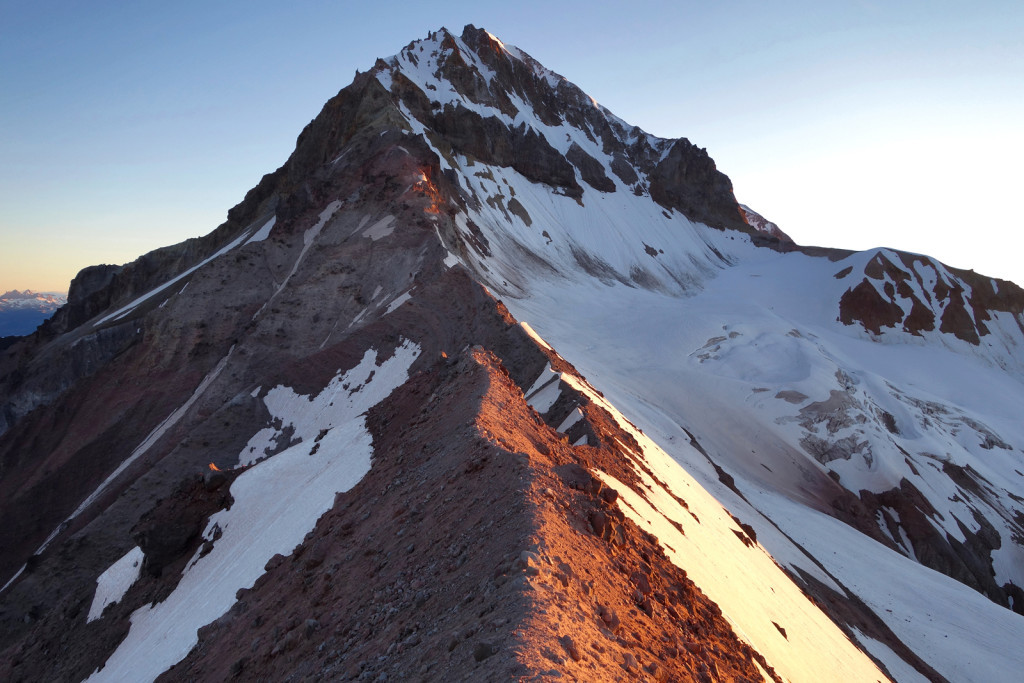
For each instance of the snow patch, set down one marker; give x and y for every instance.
(401, 299)
(752, 591)
(536, 337)
(381, 229)
(545, 390)
(112, 584)
(567, 424)
(264, 232)
(15, 577)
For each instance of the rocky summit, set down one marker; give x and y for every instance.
(486, 384)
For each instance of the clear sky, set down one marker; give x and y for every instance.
(129, 126)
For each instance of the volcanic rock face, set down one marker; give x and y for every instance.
(316, 444)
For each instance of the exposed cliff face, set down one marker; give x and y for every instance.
(686, 179)
(413, 483)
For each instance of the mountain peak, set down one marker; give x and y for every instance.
(484, 383)
(493, 103)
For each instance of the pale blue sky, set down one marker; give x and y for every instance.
(129, 126)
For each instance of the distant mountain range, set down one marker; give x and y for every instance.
(22, 312)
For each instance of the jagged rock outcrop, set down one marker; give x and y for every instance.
(687, 180)
(958, 302)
